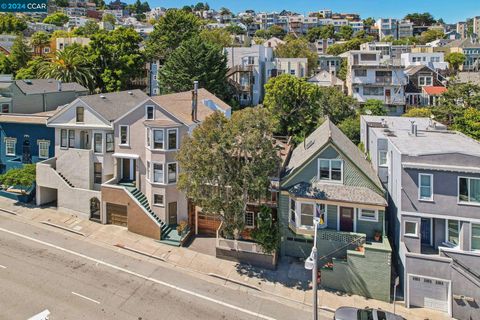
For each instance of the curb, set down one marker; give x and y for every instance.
(121, 246)
(9, 212)
(63, 228)
(234, 281)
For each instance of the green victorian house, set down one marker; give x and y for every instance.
(328, 176)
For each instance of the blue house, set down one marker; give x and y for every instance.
(24, 139)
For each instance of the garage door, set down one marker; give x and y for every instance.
(428, 293)
(208, 224)
(117, 214)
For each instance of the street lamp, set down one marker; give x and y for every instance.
(312, 264)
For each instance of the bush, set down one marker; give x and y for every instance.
(267, 234)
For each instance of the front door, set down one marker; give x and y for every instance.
(172, 213)
(346, 219)
(426, 231)
(128, 169)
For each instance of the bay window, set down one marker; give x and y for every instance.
(172, 172)
(158, 172)
(306, 214)
(292, 210)
(157, 138)
(469, 190)
(330, 169)
(172, 139)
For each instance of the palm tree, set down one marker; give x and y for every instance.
(39, 41)
(69, 65)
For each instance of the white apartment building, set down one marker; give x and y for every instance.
(297, 67)
(433, 60)
(394, 27)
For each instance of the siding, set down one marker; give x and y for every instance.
(332, 216)
(369, 227)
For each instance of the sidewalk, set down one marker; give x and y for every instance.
(290, 280)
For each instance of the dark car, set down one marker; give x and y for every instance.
(348, 313)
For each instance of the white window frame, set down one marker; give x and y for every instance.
(245, 220)
(298, 212)
(166, 140)
(63, 146)
(152, 139)
(447, 232)
(94, 143)
(420, 186)
(424, 78)
(112, 142)
(45, 145)
(153, 112)
(157, 204)
(76, 114)
(365, 218)
(405, 234)
(127, 143)
(294, 210)
(471, 236)
(330, 170)
(14, 146)
(153, 173)
(386, 158)
(176, 173)
(468, 203)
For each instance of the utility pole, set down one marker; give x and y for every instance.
(311, 263)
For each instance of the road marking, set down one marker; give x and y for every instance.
(84, 297)
(3, 267)
(192, 293)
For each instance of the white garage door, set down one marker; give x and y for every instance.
(428, 293)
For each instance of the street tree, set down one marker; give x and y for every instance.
(267, 232)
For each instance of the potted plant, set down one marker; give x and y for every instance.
(181, 227)
(378, 236)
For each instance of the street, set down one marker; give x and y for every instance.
(43, 269)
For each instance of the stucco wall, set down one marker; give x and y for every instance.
(77, 166)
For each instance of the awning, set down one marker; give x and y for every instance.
(126, 155)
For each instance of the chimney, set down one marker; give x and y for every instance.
(194, 101)
(59, 85)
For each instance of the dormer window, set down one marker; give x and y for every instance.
(150, 112)
(80, 114)
(330, 169)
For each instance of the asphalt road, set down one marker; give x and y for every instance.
(45, 269)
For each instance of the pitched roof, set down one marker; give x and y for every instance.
(462, 43)
(411, 70)
(24, 118)
(434, 90)
(115, 104)
(37, 86)
(324, 134)
(180, 105)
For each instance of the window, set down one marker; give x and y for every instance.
(330, 170)
(149, 132)
(360, 72)
(321, 214)
(475, 245)
(158, 172)
(157, 139)
(306, 214)
(172, 172)
(425, 186)
(453, 231)
(249, 219)
(148, 171)
(382, 158)
(97, 172)
(124, 135)
(63, 138)
(368, 215)
(172, 139)
(425, 81)
(292, 72)
(71, 138)
(43, 149)
(365, 314)
(292, 210)
(158, 200)
(150, 112)
(10, 144)
(373, 91)
(110, 144)
(98, 141)
(469, 190)
(80, 114)
(410, 228)
(368, 57)
(5, 108)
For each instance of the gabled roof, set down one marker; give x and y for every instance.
(37, 86)
(411, 70)
(329, 133)
(434, 90)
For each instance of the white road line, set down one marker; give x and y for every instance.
(84, 297)
(195, 294)
(3, 267)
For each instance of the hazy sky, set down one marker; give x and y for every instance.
(451, 11)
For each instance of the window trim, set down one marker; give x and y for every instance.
(62, 131)
(96, 172)
(294, 220)
(76, 114)
(153, 163)
(167, 144)
(420, 174)
(458, 231)
(153, 112)
(362, 218)
(95, 134)
(467, 203)
(330, 170)
(70, 138)
(386, 158)
(299, 209)
(152, 139)
(43, 142)
(411, 235)
(156, 203)
(113, 141)
(127, 143)
(176, 173)
(471, 236)
(14, 141)
(245, 220)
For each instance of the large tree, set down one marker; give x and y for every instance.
(89, 29)
(220, 37)
(57, 18)
(469, 123)
(117, 58)
(30, 71)
(455, 101)
(323, 32)
(421, 19)
(20, 53)
(455, 60)
(10, 23)
(170, 31)
(5, 64)
(345, 33)
(39, 41)
(194, 60)
(226, 164)
(298, 48)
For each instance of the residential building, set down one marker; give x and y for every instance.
(6, 43)
(75, 11)
(273, 42)
(45, 27)
(297, 67)
(327, 79)
(462, 29)
(476, 26)
(356, 26)
(119, 13)
(388, 50)
(470, 48)
(419, 76)
(431, 94)
(434, 60)
(433, 179)
(36, 95)
(329, 63)
(62, 43)
(75, 22)
(370, 78)
(321, 45)
(328, 177)
(394, 27)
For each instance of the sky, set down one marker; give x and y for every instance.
(450, 10)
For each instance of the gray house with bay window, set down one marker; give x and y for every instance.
(433, 179)
(327, 176)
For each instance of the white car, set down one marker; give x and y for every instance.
(348, 313)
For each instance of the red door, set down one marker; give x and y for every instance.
(346, 219)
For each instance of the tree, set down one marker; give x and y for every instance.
(469, 123)
(420, 19)
(226, 164)
(30, 71)
(263, 34)
(219, 37)
(5, 64)
(225, 11)
(276, 31)
(323, 32)
(267, 232)
(418, 112)
(20, 53)
(10, 23)
(373, 107)
(20, 177)
(345, 33)
(455, 101)
(342, 72)
(110, 18)
(68, 65)
(170, 31)
(455, 60)
(57, 18)
(298, 48)
(234, 29)
(39, 41)
(351, 128)
(194, 60)
(117, 57)
(354, 44)
(61, 3)
(368, 22)
(431, 35)
(88, 30)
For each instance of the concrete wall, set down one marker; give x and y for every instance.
(77, 166)
(254, 259)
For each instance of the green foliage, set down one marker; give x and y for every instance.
(418, 112)
(61, 3)
(219, 37)
(469, 123)
(276, 31)
(455, 60)
(342, 72)
(169, 33)
(227, 163)
(373, 107)
(351, 128)
(117, 57)
(421, 19)
(263, 34)
(368, 22)
(234, 29)
(5, 64)
(298, 48)
(20, 53)
(10, 23)
(24, 177)
(455, 101)
(89, 29)
(431, 35)
(267, 233)
(324, 32)
(197, 60)
(345, 33)
(110, 18)
(58, 18)
(354, 44)
(138, 7)
(30, 71)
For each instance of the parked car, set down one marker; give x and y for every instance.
(348, 313)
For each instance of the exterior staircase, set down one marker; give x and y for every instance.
(66, 180)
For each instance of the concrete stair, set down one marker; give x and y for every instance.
(66, 180)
